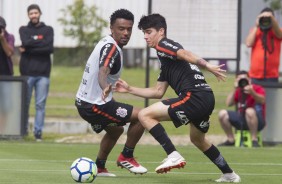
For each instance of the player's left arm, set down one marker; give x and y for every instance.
(190, 57)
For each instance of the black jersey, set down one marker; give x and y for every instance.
(180, 75)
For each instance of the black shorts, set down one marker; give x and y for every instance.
(194, 107)
(238, 121)
(100, 116)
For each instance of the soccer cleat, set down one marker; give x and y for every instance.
(130, 164)
(105, 173)
(174, 160)
(229, 177)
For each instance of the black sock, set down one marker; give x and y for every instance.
(127, 152)
(159, 133)
(100, 163)
(214, 155)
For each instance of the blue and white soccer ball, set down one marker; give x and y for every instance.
(83, 170)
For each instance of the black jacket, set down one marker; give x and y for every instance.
(38, 44)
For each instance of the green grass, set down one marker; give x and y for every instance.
(26, 162)
(65, 82)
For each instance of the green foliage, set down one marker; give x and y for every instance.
(82, 24)
(275, 5)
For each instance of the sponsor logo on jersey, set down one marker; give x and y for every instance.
(162, 54)
(112, 124)
(205, 124)
(105, 50)
(87, 68)
(194, 67)
(198, 76)
(122, 112)
(182, 117)
(113, 59)
(169, 45)
(84, 81)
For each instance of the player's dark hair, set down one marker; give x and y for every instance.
(243, 72)
(121, 13)
(155, 21)
(267, 9)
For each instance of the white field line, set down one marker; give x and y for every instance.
(109, 161)
(121, 173)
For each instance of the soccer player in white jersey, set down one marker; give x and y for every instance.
(95, 102)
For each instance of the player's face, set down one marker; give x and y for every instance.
(121, 31)
(34, 16)
(152, 36)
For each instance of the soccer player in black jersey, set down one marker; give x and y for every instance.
(194, 104)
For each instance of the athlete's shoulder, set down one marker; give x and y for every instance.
(169, 44)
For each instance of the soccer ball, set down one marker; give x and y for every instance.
(83, 170)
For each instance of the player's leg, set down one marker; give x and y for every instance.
(106, 145)
(135, 130)
(198, 139)
(134, 133)
(150, 118)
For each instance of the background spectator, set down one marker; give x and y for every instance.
(7, 42)
(37, 46)
(265, 41)
(250, 101)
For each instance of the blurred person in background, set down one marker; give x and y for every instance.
(250, 115)
(35, 63)
(7, 42)
(265, 43)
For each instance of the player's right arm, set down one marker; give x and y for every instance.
(107, 58)
(102, 78)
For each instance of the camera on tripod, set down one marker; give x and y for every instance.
(243, 82)
(265, 23)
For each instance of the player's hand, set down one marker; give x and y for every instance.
(106, 92)
(217, 71)
(121, 86)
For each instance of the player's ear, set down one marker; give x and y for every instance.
(162, 31)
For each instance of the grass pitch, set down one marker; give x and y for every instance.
(25, 162)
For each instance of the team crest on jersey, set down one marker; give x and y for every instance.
(122, 112)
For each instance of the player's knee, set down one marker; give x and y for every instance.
(143, 115)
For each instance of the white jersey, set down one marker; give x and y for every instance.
(106, 53)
